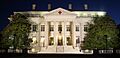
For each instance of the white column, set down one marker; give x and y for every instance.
(73, 34)
(39, 36)
(80, 33)
(55, 33)
(46, 33)
(63, 33)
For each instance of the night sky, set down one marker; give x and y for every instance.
(7, 7)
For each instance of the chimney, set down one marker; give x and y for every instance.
(33, 6)
(85, 6)
(69, 6)
(49, 6)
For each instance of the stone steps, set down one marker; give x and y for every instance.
(59, 49)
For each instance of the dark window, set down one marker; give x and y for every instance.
(68, 28)
(34, 27)
(69, 41)
(77, 27)
(51, 27)
(42, 27)
(77, 39)
(60, 28)
(85, 27)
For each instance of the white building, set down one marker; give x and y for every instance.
(59, 30)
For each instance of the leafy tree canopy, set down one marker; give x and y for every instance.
(101, 34)
(16, 33)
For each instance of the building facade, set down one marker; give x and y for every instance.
(59, 30)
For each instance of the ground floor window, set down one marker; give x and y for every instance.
(69, 41)
(34, 39)
(51, 41)
(77, 41)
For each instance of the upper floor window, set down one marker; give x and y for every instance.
(68, 28)
(42, 27)
(60, 28)
(51, 27)
(34, 28)
(77, 27)
(85, 27)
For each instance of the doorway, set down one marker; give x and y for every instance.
(60, 41)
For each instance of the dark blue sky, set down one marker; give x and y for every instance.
(7, 7)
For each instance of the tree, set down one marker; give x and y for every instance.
(101, 33)
(17, 32)
(118, 27)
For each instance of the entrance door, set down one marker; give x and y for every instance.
(60, 41)
(60, 47)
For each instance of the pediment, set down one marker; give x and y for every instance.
(60, 11)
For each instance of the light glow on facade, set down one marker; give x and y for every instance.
(66, 33)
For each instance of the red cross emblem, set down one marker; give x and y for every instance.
(59, 12)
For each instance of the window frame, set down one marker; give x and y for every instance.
(34, 28)
(77, 28)
(51, 28)
(42, 28)
(60, 27)
(68, 28)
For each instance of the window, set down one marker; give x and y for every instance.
(77, 27)
(51, 27)
(77, 39)
(68, 28)
(42, 27)
(59, 27)
(69, 41)
(85, 27)
(51, 41)
(42, 40)
(34, 28)
(34, 39)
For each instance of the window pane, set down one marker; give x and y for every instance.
(85, 27)
(77, 27)
(59, 27)
(68, 28)
(34, 27)
(51, 27)
(77, 39)
(69, 41)
(42, 27)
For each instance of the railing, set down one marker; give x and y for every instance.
(108, 51)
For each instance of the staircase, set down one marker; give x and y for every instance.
(59, 49)
(48, 49)
(70, 49)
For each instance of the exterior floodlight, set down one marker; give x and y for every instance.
(33, 50)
